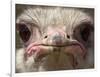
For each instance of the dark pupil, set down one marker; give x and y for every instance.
(24, 32)
(85, 33)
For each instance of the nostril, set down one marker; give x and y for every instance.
(45, 36)
(68, 36)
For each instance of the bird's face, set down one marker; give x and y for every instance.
(56, 38)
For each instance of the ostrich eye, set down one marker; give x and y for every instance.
(85, 32)
(24, 32)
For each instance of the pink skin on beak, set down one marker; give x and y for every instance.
(56, 36)
(39, 48)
